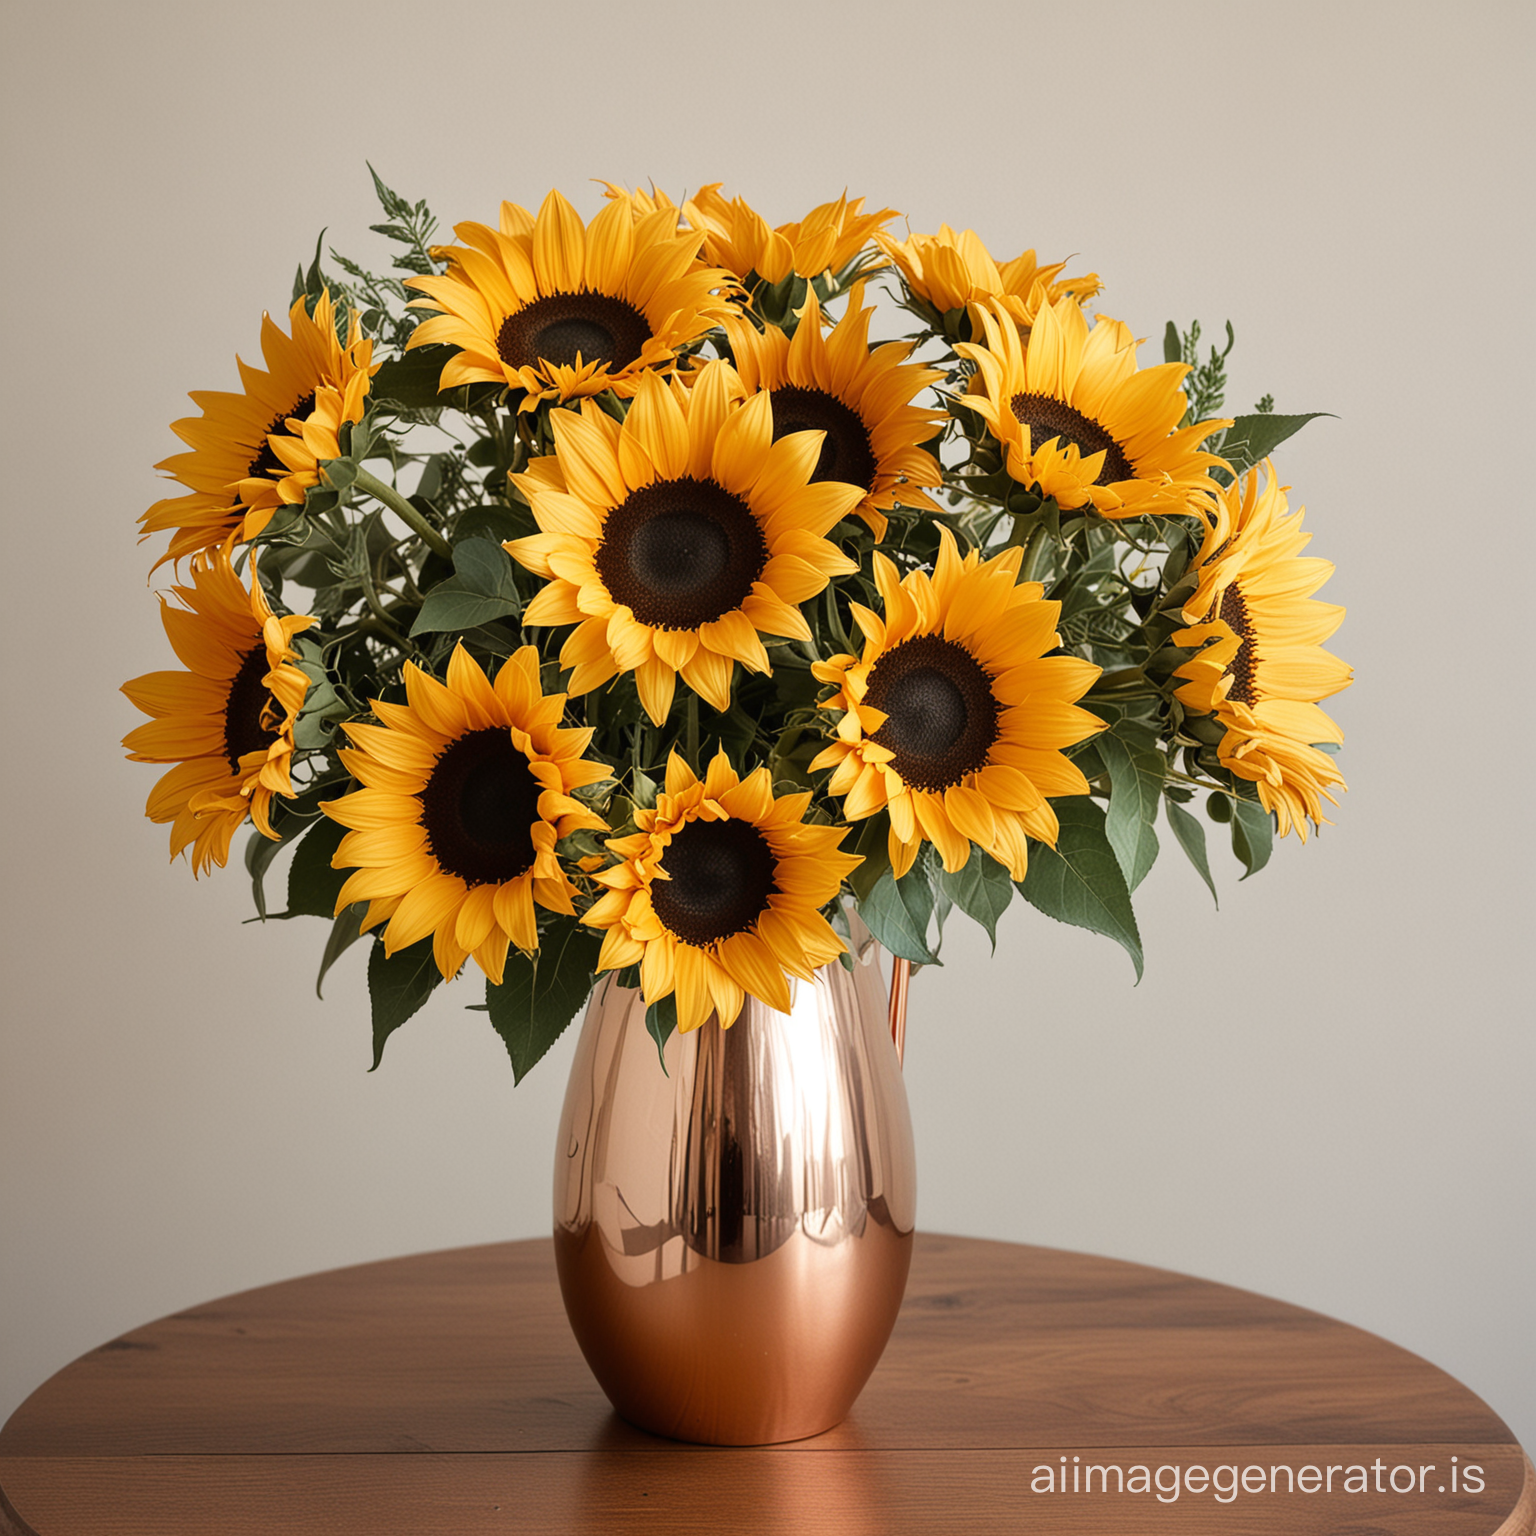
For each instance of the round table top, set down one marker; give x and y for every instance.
(444, 1393)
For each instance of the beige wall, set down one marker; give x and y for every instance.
(1322, 1092)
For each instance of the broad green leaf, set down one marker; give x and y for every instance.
(1079, 881)
(1253, 835)
(873, 846)
(482, 588)
(1136, 774)
(313, 885)
(346, 930)
(485, 567)
(1190, 832)
(982, 890)
(1173, 348)
(398, 985)
(660, 1022)
(259, 854)
(411, 380)
(1252, 438)
(897, 912)
(450, 606)
(537, 998)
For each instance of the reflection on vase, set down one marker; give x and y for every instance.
(733, 1236)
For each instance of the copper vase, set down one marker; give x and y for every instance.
(733, 1234)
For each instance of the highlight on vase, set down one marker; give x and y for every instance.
(672, 593)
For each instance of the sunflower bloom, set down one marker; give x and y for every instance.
(860, 399)
(830, 238)
(954, 718)
(1263, 669)
(1080, 423)
(227, 721)
(466, 789)
(561, 310)
(676, 540)
(235, 470)
(950, 271)
(717, 894)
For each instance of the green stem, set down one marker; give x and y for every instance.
(407, 514)
(1034, 544)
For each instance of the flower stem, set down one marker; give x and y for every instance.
(402, 509)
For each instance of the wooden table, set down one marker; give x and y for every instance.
(443, 1393)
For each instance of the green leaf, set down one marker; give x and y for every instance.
(1079, 881)
(897, 913)
(411, 379)
(1253, 835)
(259, 854)
(874, 847)
(1252, 438)
(346, 930)
(1136, 774)
(482, 588)
(398, 985)
(1190, 832)
(1173, 348)
(313, 885)
(451, 606)
(538, 998)
(660, 1022)
(485, 567)
(982, 890)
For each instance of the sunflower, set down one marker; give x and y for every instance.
(227, 721)
(676, 540)
(466, 790)
(717, 894)
(860, 399)
(560, 309)
(739, 239)
(234, 468)
(950, 271)
(954, 718)
(1264, 669)
(1079, 422)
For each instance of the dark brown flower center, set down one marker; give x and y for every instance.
(1234, 613)
(721, 876)
(942, 718)
(479, 808)
(562, 326)
(266, 462)
(680, 553)
(246, 708)
(1047, 417)
(846, 451)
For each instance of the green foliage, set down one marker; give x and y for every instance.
(1251, 439)
(481, 589)
(660, 1023)
(982, 890)
(1137, 773)
(898, 913)
(1191, 838)
(1079, 881)
(538, 997)
(1253, 835)
(398, 985)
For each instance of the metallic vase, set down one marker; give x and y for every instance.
(733, 1235)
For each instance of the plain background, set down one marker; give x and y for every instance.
(1322, 1092)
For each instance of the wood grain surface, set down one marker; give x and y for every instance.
(443, 1392)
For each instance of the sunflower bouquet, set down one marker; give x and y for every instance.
(591, 597)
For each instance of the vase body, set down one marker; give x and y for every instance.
(733, 1235)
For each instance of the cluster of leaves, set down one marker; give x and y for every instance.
(386, 592)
